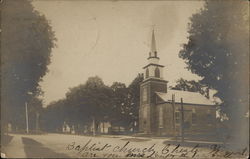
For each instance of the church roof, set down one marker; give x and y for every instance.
(188, 97)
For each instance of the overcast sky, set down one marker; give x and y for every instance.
(111, 39)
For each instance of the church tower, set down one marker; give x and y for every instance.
(153, 82)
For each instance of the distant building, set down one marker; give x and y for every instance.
(66, 128)
(160, 108)
(104, 127)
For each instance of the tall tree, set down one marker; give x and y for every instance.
(53, 116)
(126, 101)
(119, 99)
(218, 51)
(91, 101)
(134, 100)
(27, 40)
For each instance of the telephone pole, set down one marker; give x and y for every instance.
(94, 129)
(27, 117)
(182, 121)
(173, 107)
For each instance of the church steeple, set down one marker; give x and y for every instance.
(153, 69)
(153, 51)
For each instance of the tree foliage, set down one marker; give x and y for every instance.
(27, 40)
(119, 108)
(126, 102)
(35, 106)
(117, 104)
(134, 97)
(53, 116)
(191, 86)
(218, 51)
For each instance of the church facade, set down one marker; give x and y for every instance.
(165, 112)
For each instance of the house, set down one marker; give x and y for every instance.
(163, 111)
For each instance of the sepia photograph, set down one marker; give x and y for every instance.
(160, 79)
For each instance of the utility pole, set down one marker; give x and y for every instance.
(27, 117)
(182, 121)
(173, 107)
(26, 113)
(94, 126)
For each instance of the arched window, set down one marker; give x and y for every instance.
(157, 72)
(155, 54)
(147, 73)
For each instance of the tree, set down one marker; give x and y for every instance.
(35, 106)
(191, 86)
(77, 111)
(126, 101)
(218, 51)
(94, 100)
(91, 101)
(53, 116)
(27, 40)
(97, 97)
(134, 99)
(119, 104)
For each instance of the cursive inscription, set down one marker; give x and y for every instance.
(92, 149)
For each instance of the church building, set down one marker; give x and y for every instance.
(162, 111)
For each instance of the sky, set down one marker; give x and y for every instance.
(111, 39)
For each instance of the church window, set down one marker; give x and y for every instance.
(157, 72)
(177, 117)
(147, 73)
(160, 117)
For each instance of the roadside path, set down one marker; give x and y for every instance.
(25, 147)
(34, 149)
(15, 148)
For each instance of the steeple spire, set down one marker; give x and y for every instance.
(153, 52)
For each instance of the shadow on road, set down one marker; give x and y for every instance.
(33, 149)
(6, 139)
